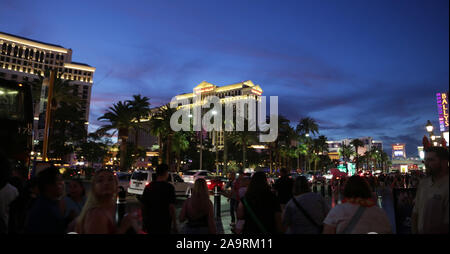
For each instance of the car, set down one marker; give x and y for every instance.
(139, 180)
(192, 175)
(142, 178)
(213, 181)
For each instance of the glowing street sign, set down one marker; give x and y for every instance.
(442, 102)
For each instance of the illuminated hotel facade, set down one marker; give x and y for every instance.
(23, 59)
(242, 91)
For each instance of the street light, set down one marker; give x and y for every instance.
(429, 127)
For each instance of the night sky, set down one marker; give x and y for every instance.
(360, 68)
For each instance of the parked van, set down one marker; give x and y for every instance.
(142, 178)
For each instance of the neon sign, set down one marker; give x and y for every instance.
(398, 150)
(442, 102)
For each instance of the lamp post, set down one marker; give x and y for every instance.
(429, 127)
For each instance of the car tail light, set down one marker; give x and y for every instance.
(147, 183)
(208, 182)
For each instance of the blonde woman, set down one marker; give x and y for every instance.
(98, 214)
(198, 211)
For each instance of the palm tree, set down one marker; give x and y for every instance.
(140, 107)
(62, 96)
(282, 145)
(346, 152)
(160, 126)
(384, 160)
(376, 156)
(306, 126)
(180, 144)
(322, 144)
(119, 117)
(369, 156)
(301, 150)
(356, 144)
(243, 139)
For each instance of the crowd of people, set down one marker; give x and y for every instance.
(288, 206)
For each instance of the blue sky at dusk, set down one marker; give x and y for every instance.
(360, 68)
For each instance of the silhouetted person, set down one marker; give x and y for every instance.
(8, 193)
(158, 204)
(46, 216)
(198, 211)
(260, 208)
(306, 211)
(430, 212)
(283, 187)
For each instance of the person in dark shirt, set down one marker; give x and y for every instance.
(158, 204)
(260, 208)
(46, 216)
(283, 187)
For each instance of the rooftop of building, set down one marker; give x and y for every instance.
(81, 64)
(28, 39)
(206, 85)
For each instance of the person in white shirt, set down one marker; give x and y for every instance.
(357, 200)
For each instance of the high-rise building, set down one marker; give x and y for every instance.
(23, 60)
(245, 90)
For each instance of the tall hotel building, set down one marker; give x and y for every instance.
(229, 93)
(23, 59)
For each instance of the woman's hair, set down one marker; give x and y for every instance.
(258, 186)
(357, 187)
(301, 185)
(200, 197)
(92, 200)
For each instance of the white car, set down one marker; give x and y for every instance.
(141, 179)
(192, 175)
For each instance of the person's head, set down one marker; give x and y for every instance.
(357, 187)
(76, 189)
(258, 185)
(104, 188)
(200, 189)
(104, 185)
(162, 172)
(200, 197)
(50, 183)
(284, 172)
(301, 186)
(436, 160)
